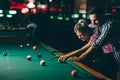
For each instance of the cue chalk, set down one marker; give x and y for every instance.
(57, 56)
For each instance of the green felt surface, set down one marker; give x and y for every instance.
(15, 66)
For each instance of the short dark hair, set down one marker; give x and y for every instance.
(99, 11)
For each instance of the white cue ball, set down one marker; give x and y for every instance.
(42, 62)
(27, 44)
(29, 57)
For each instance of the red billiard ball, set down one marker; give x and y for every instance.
(34, 47)
(74, 73)
(29, 57)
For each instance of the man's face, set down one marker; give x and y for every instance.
(81, 36)
(94, 20)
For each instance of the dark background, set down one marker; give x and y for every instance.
(55, 32)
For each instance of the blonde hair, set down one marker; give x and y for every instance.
(81, 26)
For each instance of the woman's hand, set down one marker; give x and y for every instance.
(74, 58)
(62, 58)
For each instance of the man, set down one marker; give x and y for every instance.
(107, 31)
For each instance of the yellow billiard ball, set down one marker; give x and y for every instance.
(42, 62)
(34, 47)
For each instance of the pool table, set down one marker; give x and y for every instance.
(15, 66)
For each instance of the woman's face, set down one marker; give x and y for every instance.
(81, 36)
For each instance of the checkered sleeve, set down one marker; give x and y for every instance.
(116, 54)
(105, 30)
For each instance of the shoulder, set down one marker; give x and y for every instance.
(111, 20)
(111, 16)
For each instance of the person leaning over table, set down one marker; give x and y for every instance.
(93, 25)
(84, 32)
(105, 29)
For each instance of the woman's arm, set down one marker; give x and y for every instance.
(79, 51)
(74, 53)
(83, 55)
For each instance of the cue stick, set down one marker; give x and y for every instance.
(57, 56)
(95, 73)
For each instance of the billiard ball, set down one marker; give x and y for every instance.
(42, 62)
(34, 47)
(29, 57)
(21, 45)
(39, 55)
(5, 54)
(27, 44)
(74, 73)
(93, 61)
